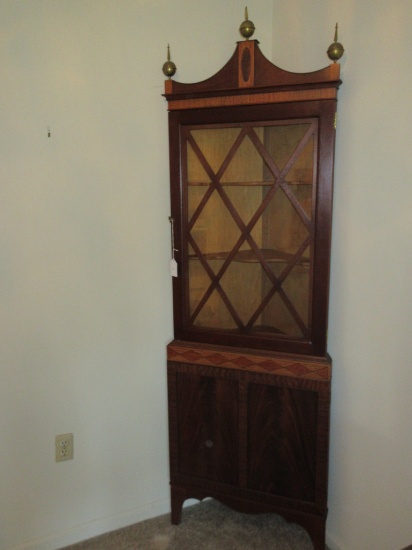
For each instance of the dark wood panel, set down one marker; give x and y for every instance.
(208, 427)
(270, 441)
(282, 441)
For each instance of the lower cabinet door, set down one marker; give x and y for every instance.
(282, 435)
(208, 427)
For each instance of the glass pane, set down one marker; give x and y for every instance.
(245, 270)
(279, 319)
(214, 144)
(214, 313)
(250, 202)
(246, 165)
(282, 140)
(302, 171)
(207, 229)
(284, 229)
(246, 200)
(196, 173)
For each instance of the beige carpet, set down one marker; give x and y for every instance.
(205, 526)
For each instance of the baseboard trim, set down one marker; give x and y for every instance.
(96, 527)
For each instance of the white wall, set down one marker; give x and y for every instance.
(85, 295)
(85, 298)
(370, 329)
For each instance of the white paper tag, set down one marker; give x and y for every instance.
(173, 267)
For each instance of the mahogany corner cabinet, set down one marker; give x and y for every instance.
(251, 174)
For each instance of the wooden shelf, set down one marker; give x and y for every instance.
(248, 256)
(245, 183)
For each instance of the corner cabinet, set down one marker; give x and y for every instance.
(251, 167)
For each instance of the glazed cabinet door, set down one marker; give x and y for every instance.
(249, 197)
(206, 427)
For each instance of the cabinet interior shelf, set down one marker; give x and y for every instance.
(248, 256)
(246, 183)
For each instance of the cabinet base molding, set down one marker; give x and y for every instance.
(314, 524)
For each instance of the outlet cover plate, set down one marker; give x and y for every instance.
(64, 447)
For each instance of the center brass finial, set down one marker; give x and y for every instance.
(247, 28)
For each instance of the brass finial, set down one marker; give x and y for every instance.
(247, 28)
(169, 68)
(335, 50)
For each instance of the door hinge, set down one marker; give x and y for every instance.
(335, 122)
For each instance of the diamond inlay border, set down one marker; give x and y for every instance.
(305, 369)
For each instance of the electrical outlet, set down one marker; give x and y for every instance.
(64, 447)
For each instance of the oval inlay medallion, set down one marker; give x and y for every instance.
(245, 64)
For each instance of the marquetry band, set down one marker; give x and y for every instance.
(308, 369)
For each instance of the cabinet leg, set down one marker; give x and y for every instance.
(315, 527)
(178, 497)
